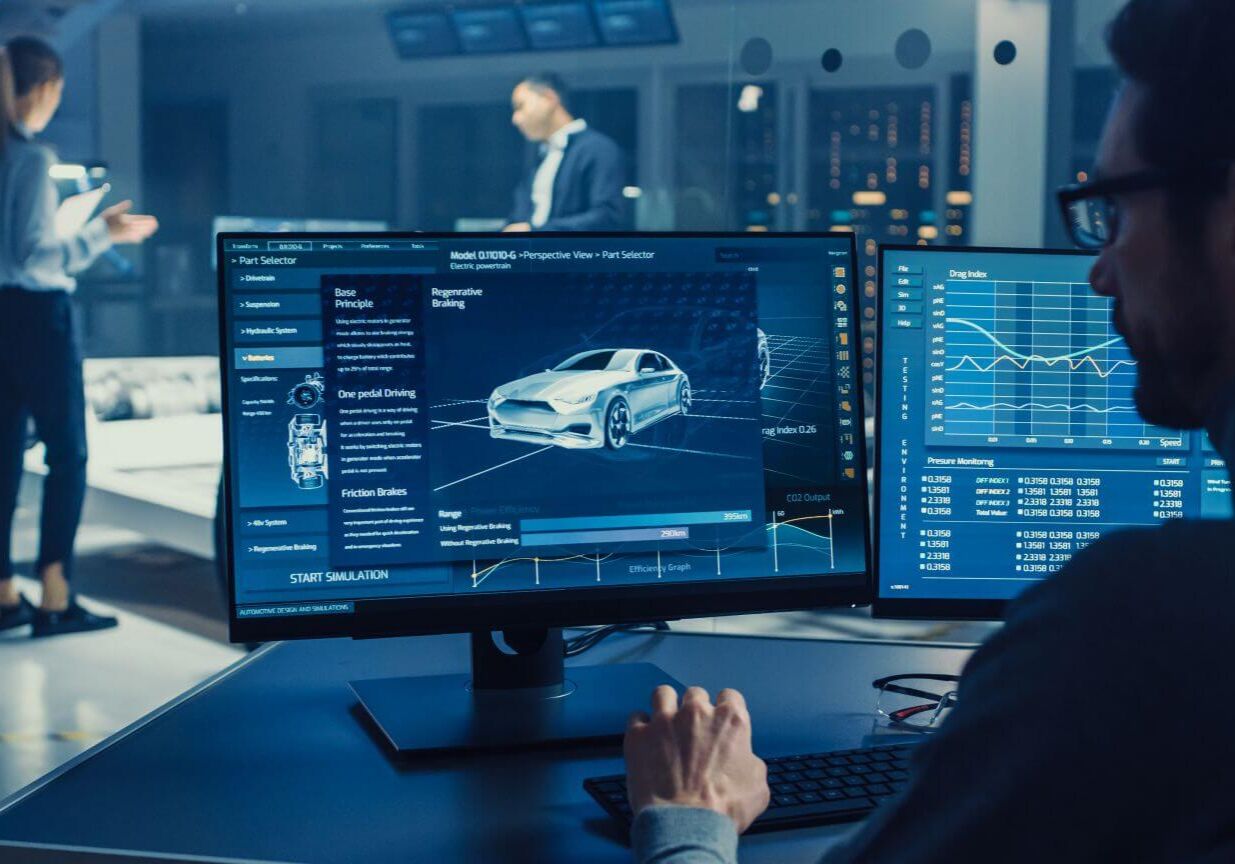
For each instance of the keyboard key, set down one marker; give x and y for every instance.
(834, 795)
(831, 783)
(853, 780)
(876, 777)
(860, 758)
(879, 789)
(791, 777)
(815, 763)
(783, 788)
(898, 775)
(796, 766)
(809, 785)
(856, 791)
(785, 800)
(837, 760)
(837, 771)
(860, 769)
(810, 797)
(815, 773)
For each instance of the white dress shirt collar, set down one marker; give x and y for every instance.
(559, 139)
(552, 151)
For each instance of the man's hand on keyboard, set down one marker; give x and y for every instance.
(696, 755)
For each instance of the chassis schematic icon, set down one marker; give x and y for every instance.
(593, 399)
(306, 451)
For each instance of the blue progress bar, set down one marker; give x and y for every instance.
(638, 520)
(621, 535)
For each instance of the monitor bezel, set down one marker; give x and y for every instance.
(591, 606)
(923, 609)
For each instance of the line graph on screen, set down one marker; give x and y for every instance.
(1027, 364)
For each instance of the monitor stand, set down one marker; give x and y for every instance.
(519, 699)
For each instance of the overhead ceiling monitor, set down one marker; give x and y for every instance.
(431, 433)
(422, 32)
(636, 22)
(559, 26)
(489, 29)
(1008, 439)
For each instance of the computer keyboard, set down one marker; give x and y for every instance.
(807, 789)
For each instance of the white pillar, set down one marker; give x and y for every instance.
(1010, 124)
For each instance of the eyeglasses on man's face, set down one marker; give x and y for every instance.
(1091, 211)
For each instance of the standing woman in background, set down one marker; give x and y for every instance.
(40, 343)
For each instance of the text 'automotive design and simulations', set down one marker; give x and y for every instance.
(467, 415)
(1009, 438)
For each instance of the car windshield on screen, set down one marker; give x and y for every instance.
(596, 361)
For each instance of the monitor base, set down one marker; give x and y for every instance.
(543, 703)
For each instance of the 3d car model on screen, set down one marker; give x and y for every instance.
(306, 450)
(765, 358)
(592, 399)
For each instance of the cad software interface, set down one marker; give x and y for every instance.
(1009, 438)
(414, 417)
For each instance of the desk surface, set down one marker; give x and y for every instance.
(272, 760)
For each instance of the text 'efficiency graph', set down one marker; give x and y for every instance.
(1028, 364)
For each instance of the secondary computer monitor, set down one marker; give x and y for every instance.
(431, 433)
(1007, 437)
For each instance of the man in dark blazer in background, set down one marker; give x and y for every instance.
(577, 184)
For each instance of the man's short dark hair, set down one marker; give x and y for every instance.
(1179, 53)
(542, 81)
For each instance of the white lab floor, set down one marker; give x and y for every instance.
(61, 696)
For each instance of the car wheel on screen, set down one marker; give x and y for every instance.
(617, 424)
(765, 368)
(685, 400)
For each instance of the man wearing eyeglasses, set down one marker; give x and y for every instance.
(1095, 725)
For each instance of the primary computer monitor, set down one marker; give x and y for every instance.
(1007, 438)
(430, 433)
